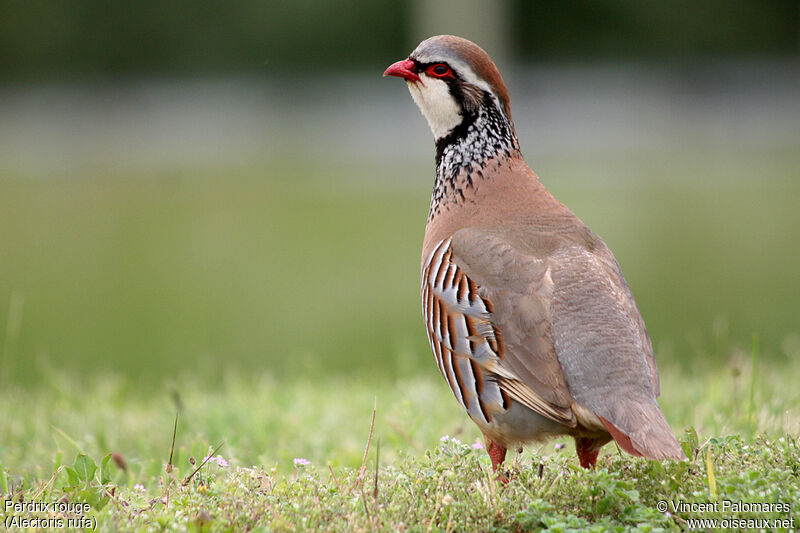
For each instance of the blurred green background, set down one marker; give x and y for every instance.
(212, 187)
(42, 39)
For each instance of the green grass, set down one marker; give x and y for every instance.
(265, 423)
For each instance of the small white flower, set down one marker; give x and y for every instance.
(299, 461)
(445, 438)
(139, 487)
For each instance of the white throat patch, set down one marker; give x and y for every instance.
(433, 98)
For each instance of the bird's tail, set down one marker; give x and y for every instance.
(650, 435)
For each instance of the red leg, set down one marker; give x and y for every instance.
(587, 450)
(497, 454)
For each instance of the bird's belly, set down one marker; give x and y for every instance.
(519, 425)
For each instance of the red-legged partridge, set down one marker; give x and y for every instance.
(528, 314)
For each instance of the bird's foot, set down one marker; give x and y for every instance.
(587, 450)
(503, 477)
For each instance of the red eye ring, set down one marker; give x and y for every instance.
(439, 70)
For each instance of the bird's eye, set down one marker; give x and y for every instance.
(440, 70)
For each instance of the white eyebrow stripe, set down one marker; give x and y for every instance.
(463, 69)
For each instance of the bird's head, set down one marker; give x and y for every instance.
(451, 79)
